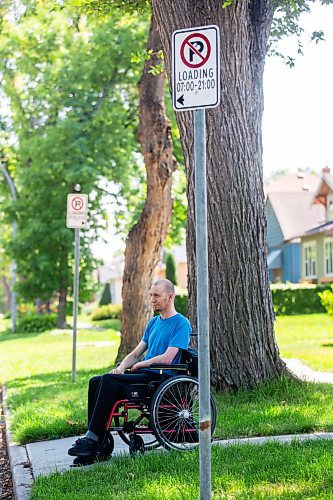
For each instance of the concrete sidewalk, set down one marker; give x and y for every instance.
(305, 373)
(45, 457)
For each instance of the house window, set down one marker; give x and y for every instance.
(328, 256)
(310, 259)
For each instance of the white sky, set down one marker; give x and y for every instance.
(298, 116)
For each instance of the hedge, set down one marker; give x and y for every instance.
(287, 300)
(297, 299)
(32, 323)
(110, 311)
(326, 298)
(181, 304)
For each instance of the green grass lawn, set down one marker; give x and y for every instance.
(307, 337)
(37, 371)
(273, 470)
(45, 404)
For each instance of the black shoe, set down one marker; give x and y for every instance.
(82, 461)
(84, 447)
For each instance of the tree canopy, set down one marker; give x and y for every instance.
(72, 97)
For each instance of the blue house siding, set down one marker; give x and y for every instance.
(291, 262)
(274, 233)
(291, 252)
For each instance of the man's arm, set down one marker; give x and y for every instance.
(131, 358)
(165, 358)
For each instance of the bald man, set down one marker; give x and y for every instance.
(164, 337)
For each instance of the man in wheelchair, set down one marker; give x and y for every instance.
(165, 336)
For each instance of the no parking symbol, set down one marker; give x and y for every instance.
(195, 50)
(196, 68)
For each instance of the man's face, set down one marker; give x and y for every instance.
(160, 299)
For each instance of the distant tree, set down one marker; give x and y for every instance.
(71, 88)
(170, 271)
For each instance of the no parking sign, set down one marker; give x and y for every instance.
(196, 68)
(77, 210)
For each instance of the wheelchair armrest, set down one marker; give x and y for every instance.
(163, 366)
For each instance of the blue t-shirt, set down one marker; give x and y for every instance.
(163, 333)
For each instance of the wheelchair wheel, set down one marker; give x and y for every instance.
(106, 448)
(150, 441)
(175, 413)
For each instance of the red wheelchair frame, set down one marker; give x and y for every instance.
(166, 410)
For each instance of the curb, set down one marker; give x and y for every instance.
(22, 476)
(284, 439)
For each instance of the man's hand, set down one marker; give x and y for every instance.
(137, 366)
(117, 370)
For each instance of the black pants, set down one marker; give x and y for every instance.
(104, 391)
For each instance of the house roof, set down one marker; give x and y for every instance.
(295, 212)
(325, 187)
(326, 228)
(300, 182)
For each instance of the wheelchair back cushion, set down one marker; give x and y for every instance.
(190, 357)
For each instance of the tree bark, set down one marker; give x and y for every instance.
(145, 240)
(62, 294)
(243, 347)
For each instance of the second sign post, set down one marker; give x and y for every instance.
(77, 217)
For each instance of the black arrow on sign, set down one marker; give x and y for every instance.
(181, 100)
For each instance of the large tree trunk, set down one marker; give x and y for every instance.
(145, 240)
(244, 350)
(62, 301)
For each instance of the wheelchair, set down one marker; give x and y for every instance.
(163, 413)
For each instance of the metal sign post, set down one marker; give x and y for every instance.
(76, 298)
(202, 302)
(196, 85)
(77, 217)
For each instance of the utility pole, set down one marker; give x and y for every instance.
(13, 265)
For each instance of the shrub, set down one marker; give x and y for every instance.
(326, 298)
(181, 304)
(170, 268)
(69, 308)
(35, 323)
(297, 299)
(106, 296)
(287, 299)
(110, 311)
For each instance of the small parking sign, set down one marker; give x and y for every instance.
(77, 210)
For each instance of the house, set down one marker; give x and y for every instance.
(317, 242)
(112, 272)
(290, 213)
